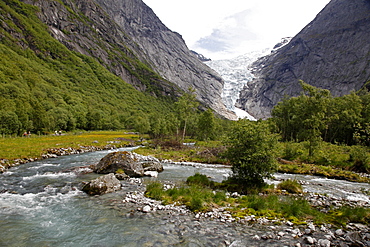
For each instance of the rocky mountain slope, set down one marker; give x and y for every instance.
(129, 40)
(331, 52)
(236, 73)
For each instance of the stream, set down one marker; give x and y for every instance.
(41, 205)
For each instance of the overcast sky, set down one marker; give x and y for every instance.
(225, 29)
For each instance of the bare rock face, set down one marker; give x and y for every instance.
(102, 185)
(331, 52)
(167, 52)
(131, 164)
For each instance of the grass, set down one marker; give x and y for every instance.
(199, 195)
(35, 146)
(202, 152)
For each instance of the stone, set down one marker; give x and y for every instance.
(310, 240)
(146, 209)
(339, 232)
(353, 237)
(130, 163)
(324, 243)
(102, 185)
(121, 176)
(256, 237)
(153, 174)
(152, 166)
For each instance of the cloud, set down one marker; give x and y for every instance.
(234, 35)
(233, 31)
(225, 29)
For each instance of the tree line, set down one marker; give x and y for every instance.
(316, 116)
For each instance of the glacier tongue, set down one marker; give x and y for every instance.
(236, 74)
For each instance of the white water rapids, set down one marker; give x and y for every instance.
(41, 205)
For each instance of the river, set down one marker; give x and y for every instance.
(41, 205)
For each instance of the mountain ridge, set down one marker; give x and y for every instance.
(131, 41)
(331, 52)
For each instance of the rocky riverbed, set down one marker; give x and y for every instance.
(219, 228)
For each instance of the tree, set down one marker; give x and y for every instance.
(304, 118)
(186, 106)
(206, 125)
(9, 123)
(251, 151)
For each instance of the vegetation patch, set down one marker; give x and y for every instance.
(35, 146)
(200, 194)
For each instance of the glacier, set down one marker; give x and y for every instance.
(237, 72)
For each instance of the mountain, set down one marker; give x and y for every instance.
(128, 39)
(237, 74)
(331, 52)
(167, 52)
(71, 65)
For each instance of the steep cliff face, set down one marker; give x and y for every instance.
(128, 39)
(166, 51)
(331, 52)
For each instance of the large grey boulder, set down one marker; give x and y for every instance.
(102, 185)
(132, 164)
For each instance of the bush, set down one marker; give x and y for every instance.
(155, 191)
(251, 151)
(291, 186)
(200, 179)
(360, 159)
(292, 151)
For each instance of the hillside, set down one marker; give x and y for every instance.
(45, 86)
(130, 41)
(331, 52)
(67, 65)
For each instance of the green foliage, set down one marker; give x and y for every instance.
(206, 126)
(198, 196)
(251, 151)
(316, 115)
(44, 86)
(155, 191)
(292, 151)
(291, 186)
(186, 106)
(345, 215)
(200, 179)
(195, 197)
(361, 159)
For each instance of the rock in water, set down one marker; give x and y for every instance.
(132, 164)
(102, 185)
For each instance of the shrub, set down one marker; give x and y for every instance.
(360, 159)
(291, 186)
(155, 191)
(200, 179)
(251, 151)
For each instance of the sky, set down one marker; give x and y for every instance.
(225, 29)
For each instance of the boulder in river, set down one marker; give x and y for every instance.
(132, 164)
(102, 185)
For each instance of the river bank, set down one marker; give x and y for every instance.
(44, 196)
(21, 150)
(55, 152)
(219, 226)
